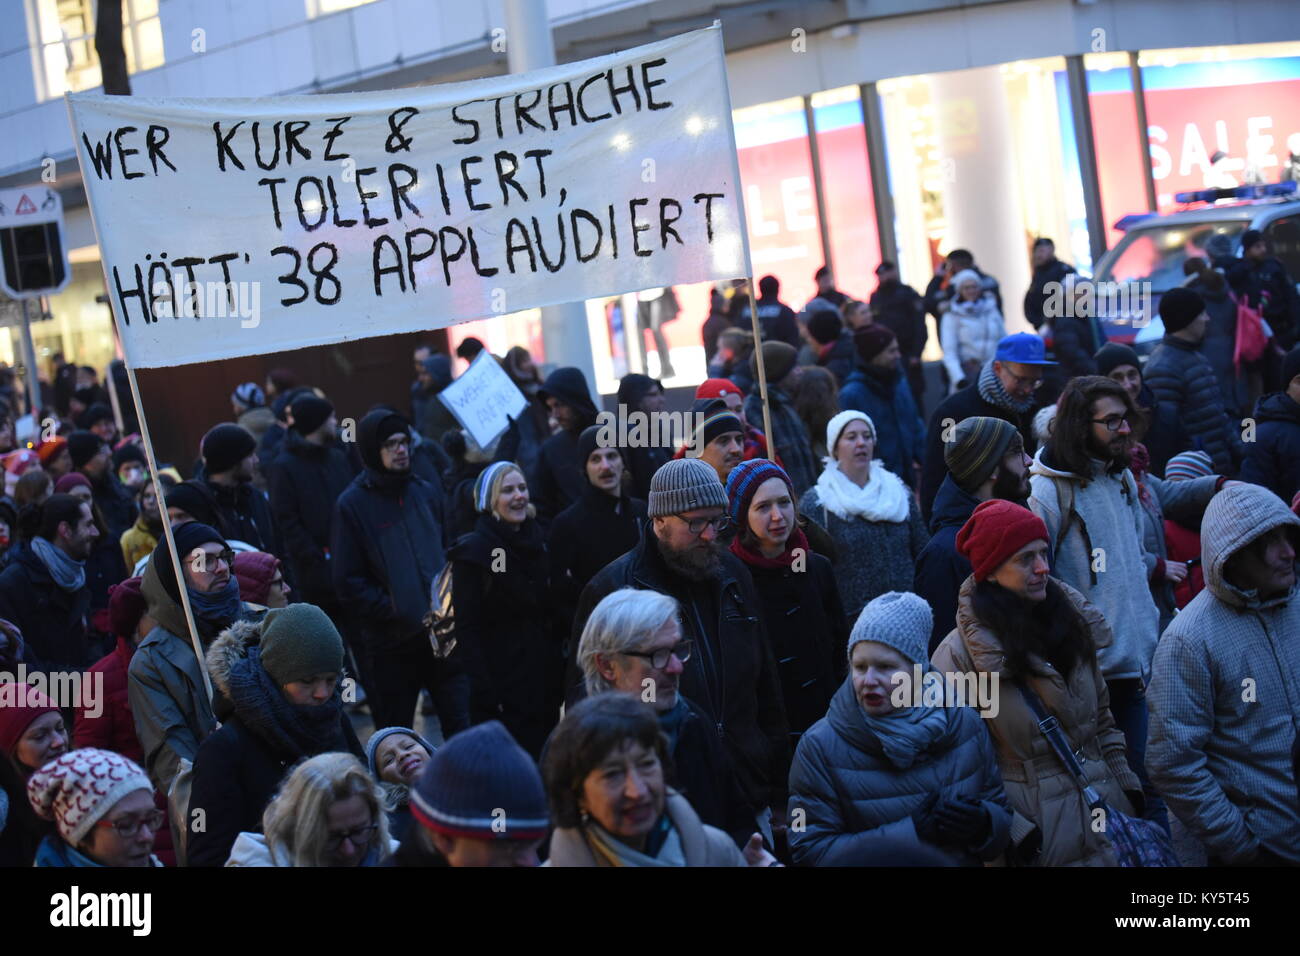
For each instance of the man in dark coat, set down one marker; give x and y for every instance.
(776, 320)
(1005, 389)
(1182, 379)
(310, 475)
(1047, 268)
(243, 513)
(93, 458)
(641, 393)
(387, 546)
(1273, 459)
(1165, 435)
(985, 460)
(939, 292)
(43, 591)
(433, 419)
(900, 309)
(604, 523)
(734, 677)
(1263, 281)
(834, 343)
(559, 479)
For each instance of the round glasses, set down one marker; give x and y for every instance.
(1112, 423)
(696, 525)
(358, 837)
(129, 827)
(659, 658)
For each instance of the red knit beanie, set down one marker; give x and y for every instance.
(255, 570)
(126, 605)
(20, 705)
(717, 388)
(994, 532)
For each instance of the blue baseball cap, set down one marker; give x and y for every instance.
(1025, 348)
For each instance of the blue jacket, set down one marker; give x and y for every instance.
(1273, 458)
(857, 805)
(900, 433)
(940, 570)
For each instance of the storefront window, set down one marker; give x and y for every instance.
(67, 40)
(846, 183)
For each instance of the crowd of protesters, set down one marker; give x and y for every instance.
(714, 654)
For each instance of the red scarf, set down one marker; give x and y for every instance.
(797, 540)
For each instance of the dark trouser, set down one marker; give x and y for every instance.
(1128, 705)
(649, 317)
(396, 677)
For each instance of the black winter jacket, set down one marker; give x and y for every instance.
(115, 503)
(560, 476)
(900, 309)
(705, 776)
(940, 570)
(1273, 460)
(1054, 270)
(387, 545)
(53, 621)
(732, 674)
(1182, 379)
(589, 534)
(305, 485)
(244, 514)
(505, 631)
(805, 622)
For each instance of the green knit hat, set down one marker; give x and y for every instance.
(300, 641)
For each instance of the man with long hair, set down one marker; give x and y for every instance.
(1085, 493)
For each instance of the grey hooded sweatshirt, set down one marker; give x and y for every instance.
(1224, 696)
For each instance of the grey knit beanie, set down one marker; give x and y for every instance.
(683, 485)
(300, 641)
(899, 619)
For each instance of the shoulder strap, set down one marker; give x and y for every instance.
(1065, 504)
(1050, 728)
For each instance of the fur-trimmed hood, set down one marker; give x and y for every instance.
(231, 646)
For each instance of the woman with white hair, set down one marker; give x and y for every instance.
(505, 622)
(869, 513)
(632, 643)
(329, 812)
(970, 329)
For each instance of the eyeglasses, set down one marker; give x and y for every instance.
(209, 561)
(358, 836)
(1112, 423)
(696, 525)
(396, 442)
(659, 658)
(1026, 381)
(128, 828)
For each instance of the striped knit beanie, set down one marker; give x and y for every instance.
(482, 785)
(684, 484)
(714, 419)
(488, 484)
(745, 479)
(978, 446)
(1188, 466)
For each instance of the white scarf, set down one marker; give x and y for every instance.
(883, 498)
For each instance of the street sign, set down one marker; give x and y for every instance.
(33, 257)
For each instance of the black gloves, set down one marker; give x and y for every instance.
(952, 821)
(925, 821)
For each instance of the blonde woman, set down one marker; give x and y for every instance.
(329, 812)
(504, 621)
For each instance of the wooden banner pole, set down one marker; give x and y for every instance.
(762, 371)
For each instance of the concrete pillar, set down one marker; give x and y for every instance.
(529, 46)
(981, 198)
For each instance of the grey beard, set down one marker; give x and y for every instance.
(693, 565)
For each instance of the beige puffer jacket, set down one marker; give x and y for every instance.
(1041, 791)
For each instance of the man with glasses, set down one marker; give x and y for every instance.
(1085, 493)
(1007, 388)
(169, 704)
(731, 674)
(388, 543)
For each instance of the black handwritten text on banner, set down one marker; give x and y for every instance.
(350, 215)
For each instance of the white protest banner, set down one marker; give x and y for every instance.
(482, 399)
(245, 226)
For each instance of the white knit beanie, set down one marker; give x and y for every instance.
(77, 789)
(901, 620)
(841, 422)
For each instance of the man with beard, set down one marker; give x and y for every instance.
(1085, 493)
(559, 477)
(601, 525)
(731, 675)
(388, 544)
(876, 388)
(229, 464)
(986, 460)
(900, 309)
